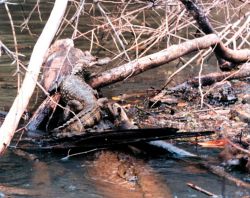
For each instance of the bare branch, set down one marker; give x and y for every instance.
(11, 121)
(151, 61)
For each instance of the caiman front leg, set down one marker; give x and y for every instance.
(71, 106)
(75, 88)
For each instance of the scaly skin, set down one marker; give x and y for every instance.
(73, 87)
(69, 76)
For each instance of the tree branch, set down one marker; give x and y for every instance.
(11, 121)
(153, 60)
(222, 53)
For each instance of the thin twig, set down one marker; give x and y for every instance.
(195, 187)
(16, 49)
(200, 84)
(80, 153)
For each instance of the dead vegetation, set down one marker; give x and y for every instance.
(141, 35)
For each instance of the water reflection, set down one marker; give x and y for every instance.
(94, 175)
(120, 175)
(8, 81)
(97, 175)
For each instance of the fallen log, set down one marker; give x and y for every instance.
(151, 61)
(205, 80)
(105, 139)
(11, 191)
(44, 111)
(212, 78)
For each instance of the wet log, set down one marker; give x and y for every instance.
(44, 110)
(205, 80)
(222, 53)
(11, 191)
(220, 171)
(212, 78)
(105, 139)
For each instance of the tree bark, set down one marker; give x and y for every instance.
(45, 109)
(151, 61)
(212, 78)
(10, 124)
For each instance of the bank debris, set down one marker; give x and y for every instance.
(217, 102)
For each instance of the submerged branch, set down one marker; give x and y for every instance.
(9, 191)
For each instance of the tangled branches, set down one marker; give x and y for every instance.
(131, 29)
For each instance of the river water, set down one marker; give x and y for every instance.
(91, 174)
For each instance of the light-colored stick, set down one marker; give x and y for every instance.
(11, 121)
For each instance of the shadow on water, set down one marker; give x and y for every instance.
(96, 174)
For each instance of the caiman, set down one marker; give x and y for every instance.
(81, 101)
(58, 64)
(65, 70)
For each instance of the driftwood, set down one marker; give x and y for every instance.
(105, 139)
(44, 111)
(222, 53)
(212, 78)
(10, 191)
(220, 171)
(10, 124)
(205, 80)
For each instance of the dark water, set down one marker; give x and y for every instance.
(83, 176)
